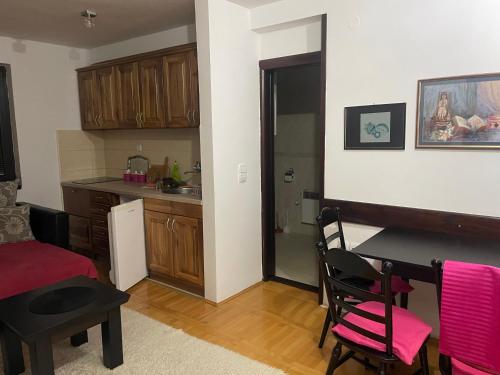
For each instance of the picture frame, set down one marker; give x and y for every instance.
(460, 112)
(375, 127)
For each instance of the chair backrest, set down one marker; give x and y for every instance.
(346, 262)
(467, 298)
(326, 218)
(437, 267)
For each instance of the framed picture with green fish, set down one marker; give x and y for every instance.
(375, 127)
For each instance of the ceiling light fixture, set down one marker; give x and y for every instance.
(88, 18)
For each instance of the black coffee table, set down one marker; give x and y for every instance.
(65, 309)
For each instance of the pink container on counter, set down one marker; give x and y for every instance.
(127, 176)
(141, 178)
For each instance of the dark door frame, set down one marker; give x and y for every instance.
(267, 145)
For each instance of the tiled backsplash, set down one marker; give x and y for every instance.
(81, 154)
(105, 153)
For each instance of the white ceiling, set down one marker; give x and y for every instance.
(59, 21)
(253, 3)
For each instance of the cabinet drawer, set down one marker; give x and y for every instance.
(76, 201)
(103, 199)
(176, 208)
(100, 222)
(100, 246)
(99, 232)
(99, 213)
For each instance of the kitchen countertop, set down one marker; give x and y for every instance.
(132, 189)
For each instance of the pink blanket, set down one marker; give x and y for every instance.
(31, 264)
(470, 314)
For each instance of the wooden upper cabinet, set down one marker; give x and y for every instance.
(87, 93)
(150, 81)
(188, 249)
(180, 87)
(106, 111)
(157, 89)
(194, 88)
(176, 90)
(128, 96)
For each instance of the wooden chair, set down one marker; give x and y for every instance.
(373, 328)
(437, 266)
(327, 218)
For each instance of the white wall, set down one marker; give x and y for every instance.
(45, 99)
(163, 39)
(291, 39)
(230, 123)
(377, 51)
(371, 63)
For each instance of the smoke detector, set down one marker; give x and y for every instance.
(88, 18)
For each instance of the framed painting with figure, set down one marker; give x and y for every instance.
(380, 127)
(459, 112)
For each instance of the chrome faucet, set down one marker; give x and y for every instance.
(196, 168)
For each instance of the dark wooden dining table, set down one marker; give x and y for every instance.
(412, 251)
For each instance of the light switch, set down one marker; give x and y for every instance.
(242, 173)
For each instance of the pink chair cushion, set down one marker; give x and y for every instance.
(397, 286)
(470, 310)
(409, 332)
(460, 368)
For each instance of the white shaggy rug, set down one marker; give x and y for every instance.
(151, 347)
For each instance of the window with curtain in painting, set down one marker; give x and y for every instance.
(9, 161)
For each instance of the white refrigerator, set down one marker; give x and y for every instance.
(127, 244)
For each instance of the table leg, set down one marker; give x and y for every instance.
(404, 296)
(42, 362)
(12, 352)
(111, 331)
(79, 339)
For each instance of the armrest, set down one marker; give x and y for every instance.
(49, 225)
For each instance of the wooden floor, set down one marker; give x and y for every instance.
(272, 323)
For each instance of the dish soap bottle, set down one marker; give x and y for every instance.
(176, 174)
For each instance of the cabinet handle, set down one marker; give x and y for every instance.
(95, 120)
(195, 117)
(189, 116)
(137, 120)
(99, 119)
(168, 221)
(143, 119)
(173, 226)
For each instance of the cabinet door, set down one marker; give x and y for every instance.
(158, 243)
(76, 201)
(194, 89)
(106, 111)
(176, 90)
(87, 91)
(188, 249)
(127, 82)
(80, 233)
(151, 93)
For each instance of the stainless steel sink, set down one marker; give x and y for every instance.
(185, 190)
(180, 190)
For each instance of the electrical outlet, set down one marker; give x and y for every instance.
(138, 147)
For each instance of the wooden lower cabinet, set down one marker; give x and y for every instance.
(174, 246)
(88, 221)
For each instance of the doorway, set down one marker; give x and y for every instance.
(292, 167)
